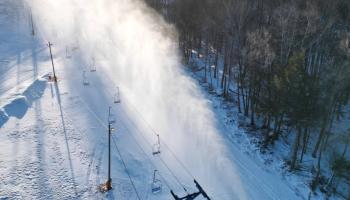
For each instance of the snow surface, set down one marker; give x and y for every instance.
(53, 137)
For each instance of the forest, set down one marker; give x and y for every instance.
(286, 65)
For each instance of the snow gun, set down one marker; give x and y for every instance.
(193, 195)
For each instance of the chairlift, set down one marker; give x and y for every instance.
(156, 184)
(93, 65)
(75, 45)
(156, 147)
(111, 119)
(68, 54)
(85, 79)
(117, 96)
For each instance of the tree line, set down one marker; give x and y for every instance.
(285, 63)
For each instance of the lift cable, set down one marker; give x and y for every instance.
(189, 196)
(123, 162)
(163, 142)
(100, 121)
(160, 158)
(126, 169)
(150, 160)
(164, 163)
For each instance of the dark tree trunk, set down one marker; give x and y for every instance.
(295, 150)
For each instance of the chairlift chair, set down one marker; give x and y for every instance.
(75, 45)
(111, 119)
(117, 96)
(156, 147)
(156, 184)
(93, 65)
(68, 54)
(85, 80)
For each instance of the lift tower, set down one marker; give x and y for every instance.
(49, 44)
(108, 185)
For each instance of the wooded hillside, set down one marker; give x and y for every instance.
(285, 63)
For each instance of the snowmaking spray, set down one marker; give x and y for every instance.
(136, 49)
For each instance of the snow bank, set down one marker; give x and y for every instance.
(3, 117)
(35, 90)
(19, 105)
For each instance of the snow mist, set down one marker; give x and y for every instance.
(136, 49)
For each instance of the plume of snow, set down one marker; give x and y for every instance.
(137, 49)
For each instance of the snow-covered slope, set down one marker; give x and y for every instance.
(53, 137)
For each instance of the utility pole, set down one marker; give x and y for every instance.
(49, 44)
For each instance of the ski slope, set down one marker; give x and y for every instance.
(53, 136)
